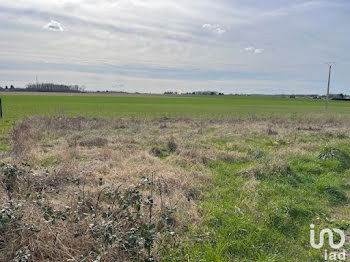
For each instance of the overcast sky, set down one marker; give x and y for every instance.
(234, 46)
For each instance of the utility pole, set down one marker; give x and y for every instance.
(0, 108)
(329, 83)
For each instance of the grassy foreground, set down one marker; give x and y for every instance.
(261, 210)
(219, 190)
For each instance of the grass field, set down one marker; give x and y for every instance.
(17, 106)
(230, 178)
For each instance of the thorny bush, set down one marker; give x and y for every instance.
(121, 222)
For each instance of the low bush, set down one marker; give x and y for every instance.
(119, 224)
(93, 142)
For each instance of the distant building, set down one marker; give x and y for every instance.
(206, 93)
(340, 97)
(211, 93)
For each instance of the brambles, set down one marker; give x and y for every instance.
(14, 178)
(23, 255)
(119, 223)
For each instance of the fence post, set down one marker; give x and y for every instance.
(0, 108)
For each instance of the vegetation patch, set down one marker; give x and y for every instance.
(93, 142)
(194, 190)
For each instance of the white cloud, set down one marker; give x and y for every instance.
(216, 29)
(253, 50)
(249, 49)
(54, 26)
(258, 51)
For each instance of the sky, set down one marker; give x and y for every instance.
(230, 46)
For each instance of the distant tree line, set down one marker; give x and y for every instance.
(7, 88)
(45, 87)
(50, 87)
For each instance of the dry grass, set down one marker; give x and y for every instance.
(175, 152)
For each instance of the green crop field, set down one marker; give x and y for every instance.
(18, 106)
